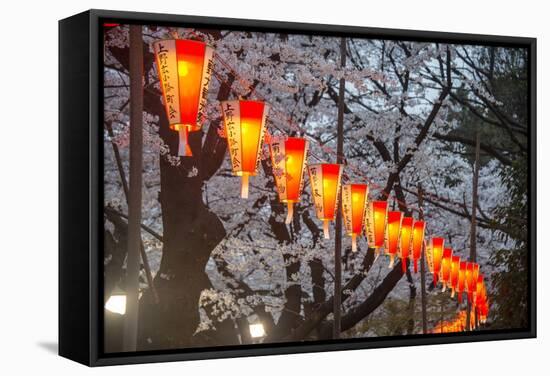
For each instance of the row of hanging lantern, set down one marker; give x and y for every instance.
(460, 276)
(185, 68)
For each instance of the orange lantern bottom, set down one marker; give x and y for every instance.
(354, 242)
(183, 132)
(290, 212)
(244, 183)
(326, 228)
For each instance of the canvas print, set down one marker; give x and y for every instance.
(299, 188)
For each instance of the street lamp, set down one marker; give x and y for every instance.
(116, 302)
(257, 330)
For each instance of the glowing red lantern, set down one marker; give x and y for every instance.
(184, 68)
(455, 270)
(377, 213)
(417, 242)
(394, 230)
(288, 158)
(405, 241)
(354, 207)
(470, 281)
(245, 127)
(325, 179)
(446, 262)
(461, 279)
(434, 254)
(475, 271)
(479, 288)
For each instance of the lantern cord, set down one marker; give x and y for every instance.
(244, 185)
(290, 213)
(183, 147)
(392, 260)
(444, 288)
(354, 243)
(325, 228)
(453, 293)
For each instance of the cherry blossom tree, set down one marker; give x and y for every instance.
(220, 262)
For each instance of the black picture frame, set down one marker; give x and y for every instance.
(80, 188)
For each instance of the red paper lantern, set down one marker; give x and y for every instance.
(476, 271)
(354, 208)
(417, 242)
(288, 158)
(377, 213)
(405, 238)
(455, 270)
(479, 288)
(394, 230)
(461, 280)
(446, 262)
(470, 281)
(184, 68)
(245, 128)
(434, 254)
(325, 181)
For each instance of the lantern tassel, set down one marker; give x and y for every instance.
(392, 261)
(453, 293)
(444, 288)
(354, 242)
(325, 229)
(290, 213)
(244, 185)
(183, 147)
(377, 253)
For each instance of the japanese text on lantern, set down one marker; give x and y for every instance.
(206, 74)
(232, 124)
(168, 83)
(316, 186)
(347, 208)
(277, 149)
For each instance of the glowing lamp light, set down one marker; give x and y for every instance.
(325, 179)
(455, 270)
(461, 286)
(377, 213)
(446, 262)
(434, 254)
(184, 67)
(354, 208)
(394, 230)
(116, 302)
(288, 158)
(405, 241)
(417, 242)
(245, 128)
(257, 330)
